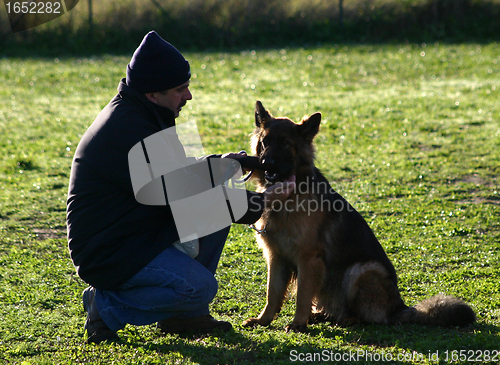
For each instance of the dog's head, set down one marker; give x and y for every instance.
(284, 145)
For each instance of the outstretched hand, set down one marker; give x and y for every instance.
(236, 156)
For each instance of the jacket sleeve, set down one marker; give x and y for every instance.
(255, 208)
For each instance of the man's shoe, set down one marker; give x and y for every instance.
(97, 330)
(200, 325)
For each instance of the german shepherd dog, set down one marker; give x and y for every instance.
(317, 238)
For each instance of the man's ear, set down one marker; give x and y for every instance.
(309, 126)
(151, 97)
(261, 114)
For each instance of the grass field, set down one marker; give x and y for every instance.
(410, 136)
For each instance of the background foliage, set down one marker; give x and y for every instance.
(119, 25)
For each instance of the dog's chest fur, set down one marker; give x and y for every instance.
(285, 231)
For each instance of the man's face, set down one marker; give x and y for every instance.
(173, 99)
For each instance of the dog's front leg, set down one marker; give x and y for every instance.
(278, 277)
(311, 272)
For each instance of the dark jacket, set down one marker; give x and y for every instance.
(110, 235)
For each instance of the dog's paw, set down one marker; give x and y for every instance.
(319, 317)
(295, 327)
(348, 322)
(251, 322)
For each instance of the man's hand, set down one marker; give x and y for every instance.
(236, 156)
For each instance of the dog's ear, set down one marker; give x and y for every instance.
(261, 114)
(309, 126)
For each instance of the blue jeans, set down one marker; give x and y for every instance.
(172, 285)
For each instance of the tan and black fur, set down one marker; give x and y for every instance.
(317, 238)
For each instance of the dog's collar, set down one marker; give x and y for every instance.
(262, 231)
(265, 218)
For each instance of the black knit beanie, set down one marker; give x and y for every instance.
(156, 66)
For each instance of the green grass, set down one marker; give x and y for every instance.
(410, 136)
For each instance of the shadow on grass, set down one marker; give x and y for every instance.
(218, 348)
(430, 342)
(271, 346)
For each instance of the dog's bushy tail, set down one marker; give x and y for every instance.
(439, 310)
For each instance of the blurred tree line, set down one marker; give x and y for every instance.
(118, 25)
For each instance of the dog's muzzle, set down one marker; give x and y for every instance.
(271, 176)
(278, 172)
(254, 163)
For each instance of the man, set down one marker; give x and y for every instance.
(123, 249)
